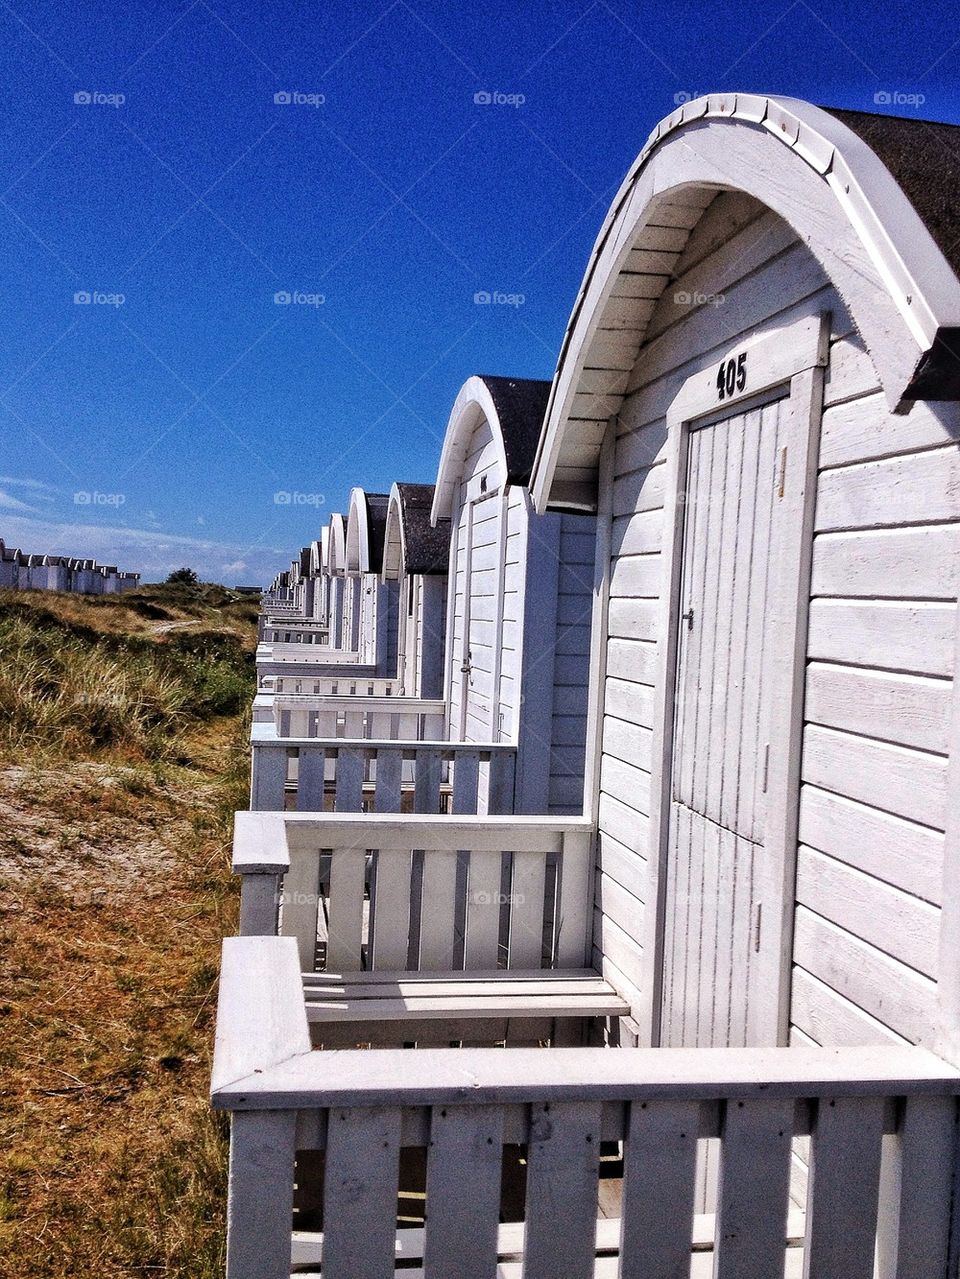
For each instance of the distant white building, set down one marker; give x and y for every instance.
(20, 571)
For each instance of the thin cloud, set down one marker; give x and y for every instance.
(10, 503)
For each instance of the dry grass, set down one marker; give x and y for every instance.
(115, 893)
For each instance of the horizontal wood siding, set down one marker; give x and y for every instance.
(885, 575)
(886, 569)
(572, 663)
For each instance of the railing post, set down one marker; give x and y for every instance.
(260, 1194)
(259, 905)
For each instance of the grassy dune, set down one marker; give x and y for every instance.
(123, 756)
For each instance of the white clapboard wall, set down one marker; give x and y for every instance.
(519, 626)
(885, 573)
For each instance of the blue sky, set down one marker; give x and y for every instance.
(147, 165)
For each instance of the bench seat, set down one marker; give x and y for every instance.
(474, 1005)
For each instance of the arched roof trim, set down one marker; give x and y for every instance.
(818, 174)
(336, 555)
(413, 544)
(514, 409)
(366, 523)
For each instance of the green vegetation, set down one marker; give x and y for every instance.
(123, 756)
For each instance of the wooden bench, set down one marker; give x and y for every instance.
(418, 930)
(509, 1007)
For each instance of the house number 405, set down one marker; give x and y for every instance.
(732, 376)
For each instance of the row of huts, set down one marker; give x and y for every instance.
(20, 571)
(630, 747)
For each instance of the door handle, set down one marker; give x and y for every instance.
(688, 618)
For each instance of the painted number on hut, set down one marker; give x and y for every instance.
(732, 376)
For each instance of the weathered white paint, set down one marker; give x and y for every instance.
(518, 608)
(882, 541)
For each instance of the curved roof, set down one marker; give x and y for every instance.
(336, 542)
(412, 544)
(366, 525)
(514, 408)
(871, 196)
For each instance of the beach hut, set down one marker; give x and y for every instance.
(370, 609)
(757, 392)
(416, 554)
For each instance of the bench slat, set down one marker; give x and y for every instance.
(438, 1006)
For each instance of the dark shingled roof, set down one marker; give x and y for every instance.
(924, 157)
(427, 548)
(521, 405)
(377, 504)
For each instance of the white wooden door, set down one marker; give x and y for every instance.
(733, 519)
(481, 611)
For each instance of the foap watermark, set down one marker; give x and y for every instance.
(494, 98)
(897, 98)
(94, 98)
(684, 298)
(483, 898)
(292, 497)
(96, 297)
(86, 497)
(294, 98)
(284, 297)
(494, 297)
(686, 95)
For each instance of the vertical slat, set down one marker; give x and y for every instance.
(500, 793)
(349, 793)
(301, 901)
(438, 896)
(345, 926)
(916, 1191)
(693, 957)
(390, 915)
(466, 778)
(751, 1224)
(728, 529)
(526, 910)
(561, 1212)
(742, 613)
(656, 1227)
(426, 791)
(483, 910)
(310, 772)
(714, 968)
(463, 1192)
(752, 806)
(268, 777)
(573, 922)
(843, 1188)
(260, 1194)
(387, 793)
(360, 1193)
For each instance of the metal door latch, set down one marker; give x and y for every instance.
(688, 618)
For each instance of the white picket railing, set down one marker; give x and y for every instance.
(353, 715)
(349, 774)
(405, 892)
(342, 685)
(277, 630)
(319, 1139)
